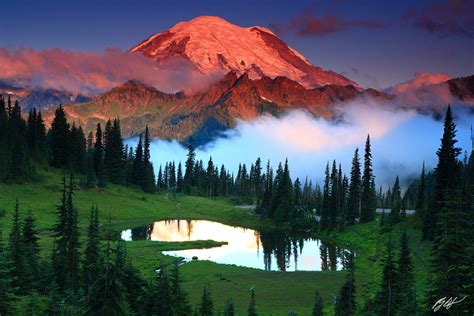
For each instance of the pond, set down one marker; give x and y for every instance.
(273, 250)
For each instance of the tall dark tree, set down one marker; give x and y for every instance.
(345, 304)
(421, 196)
(451, 275)
(7, 287)
(16, 250)
(113, 153)
(394, 216)
(386, 298)
(188, 180)
(367, 205)
(206, 307)
(91, 264)
(59, 139)
(138, 166)
(179, 298)
(353, 201)
(148, 184)
(406, 293)
(326, 207)
(31, 250)
(99, 156)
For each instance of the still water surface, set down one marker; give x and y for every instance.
(266, 250)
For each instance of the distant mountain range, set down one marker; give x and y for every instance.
(259, 74)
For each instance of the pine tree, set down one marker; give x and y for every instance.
(107, 295)
(99, 156)
(31, 251)
(386, 298)
(60, 243)
(189, 180)
(178, 296)
(138, 166)
(7, 287)
(421, 196)
(318, 305)
(113, 153)
(148, 184)
(163, 296)
(91, 263)
(16, 250)
(394, 216)
(353, 202)
(345, 304)
(367, 209)
(179, 179)
(406, 293)
(326, 207)
(206, 307)
(59, 139)
(251, 310)
(335, 197)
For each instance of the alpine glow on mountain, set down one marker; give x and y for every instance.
(212, 44)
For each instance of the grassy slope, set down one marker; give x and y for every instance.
(276, 293)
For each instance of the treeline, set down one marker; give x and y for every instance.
(93, 278)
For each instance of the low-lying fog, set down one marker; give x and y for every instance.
(401, 141)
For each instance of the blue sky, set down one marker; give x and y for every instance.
(376, 43)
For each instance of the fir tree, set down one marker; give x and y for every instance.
(59, 139)
(148, 184)
(421, 196)
(206, 307)
(91, 264)
(178, 296)
(113, 153)
(367, 209)
(31, 251)
(188, 180)
(406, 280)
(16, 250)
(394, 216)
(7, 287)
(99, 156)
(345, 304)
(353, 202)
(326, 207)
(386, 298)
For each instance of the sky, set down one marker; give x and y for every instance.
(376, 43)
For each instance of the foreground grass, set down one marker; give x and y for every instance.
(276, 293)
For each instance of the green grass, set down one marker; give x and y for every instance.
(276, 293)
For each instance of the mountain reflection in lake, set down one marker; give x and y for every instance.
(268, 250)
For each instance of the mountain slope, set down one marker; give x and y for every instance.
(212, 45)
(204, 115)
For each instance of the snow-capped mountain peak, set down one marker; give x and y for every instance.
(212, 44)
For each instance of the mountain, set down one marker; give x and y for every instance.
(206, 114)
(39, 98)
(213, 45)
(462, 88)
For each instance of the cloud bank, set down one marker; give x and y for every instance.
(401, 140)
(93, 73)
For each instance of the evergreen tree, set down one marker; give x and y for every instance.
(107, 295)
(113, 153)
(353, 202)
(318, 305)
(326, 207)
(16, 250)
(91, 264)
(335, 197)
(421, 196)
(7, 287)
(188, 180)
(148, 184)
(386, 298)
(99, 156)
(138, 166)
(31, 251)
(178, 296)
(367, 209)
(345, 304)
(206, 307)
(251, 310)
(59, 139)
(394, 216)
(406, 280)
(163, 296)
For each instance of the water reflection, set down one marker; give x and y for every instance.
(269, 250)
